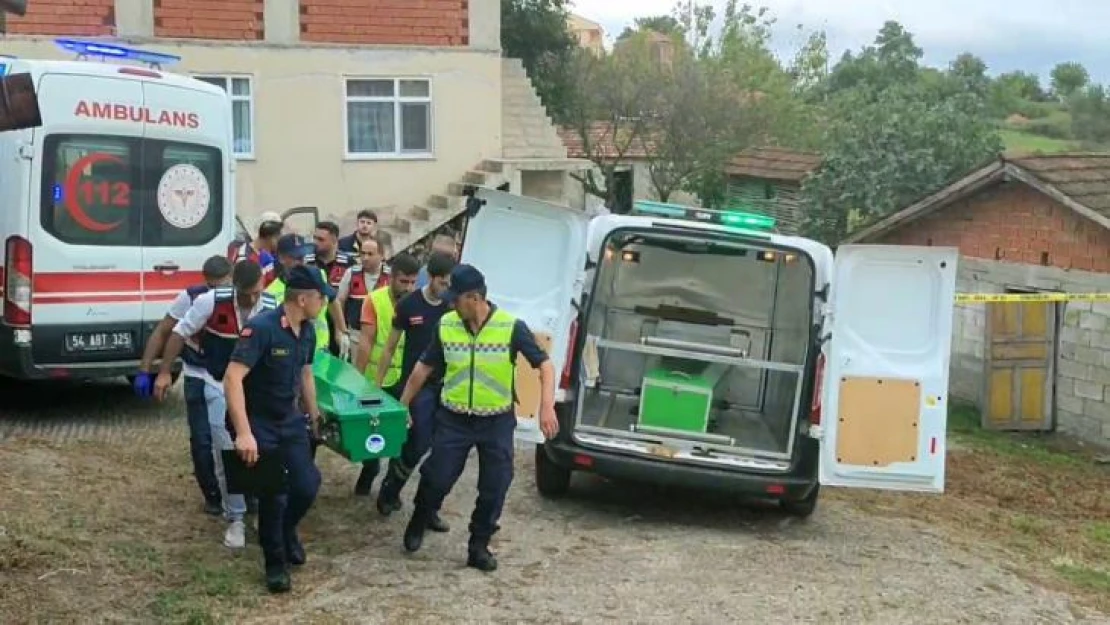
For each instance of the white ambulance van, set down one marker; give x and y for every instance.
(702, 350)
(107, 209)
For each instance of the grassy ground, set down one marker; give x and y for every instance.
(1017, 142)
(1041, 499)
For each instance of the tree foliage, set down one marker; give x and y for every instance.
(1068, 78)
(663, 24)
(891, 142)
(535, 31)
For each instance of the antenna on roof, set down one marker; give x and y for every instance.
(86, 49)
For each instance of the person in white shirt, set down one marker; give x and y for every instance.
(215, 320)
(217, 273)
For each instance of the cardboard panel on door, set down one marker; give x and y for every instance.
(878, 421)
(528, 382)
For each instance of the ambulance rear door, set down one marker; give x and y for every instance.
(187, 172)
(85, 221)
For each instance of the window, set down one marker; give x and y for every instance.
(104, 190)
(242, 110)
(389, 117)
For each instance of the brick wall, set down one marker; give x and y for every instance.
(384, 22)
(81, 18)
(237, 20)
(1016, 224)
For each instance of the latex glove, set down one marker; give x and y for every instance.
(344, 346)
(144, 384)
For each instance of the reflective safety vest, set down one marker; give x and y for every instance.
(323, 334)
(478, 379)
(385, 309)
(358, 291)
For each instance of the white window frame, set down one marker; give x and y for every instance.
(249, 99)
(397, 100)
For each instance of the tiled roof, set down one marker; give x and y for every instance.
(771, 163)
(1083, 177)
(601, 143)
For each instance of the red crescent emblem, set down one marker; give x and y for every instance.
(73, 178)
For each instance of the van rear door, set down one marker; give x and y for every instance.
(84, 223)
(885, 391)
(188, 214)
(533, 255)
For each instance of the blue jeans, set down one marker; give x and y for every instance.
(452, 440)
(235, 506)
(200, 440)
(279, 515)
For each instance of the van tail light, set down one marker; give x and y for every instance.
(18, 274)
(818, 389)
(565, 379)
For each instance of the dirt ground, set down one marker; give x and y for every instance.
(100, 521)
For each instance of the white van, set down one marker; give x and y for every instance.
(695, 344)
(109, 208)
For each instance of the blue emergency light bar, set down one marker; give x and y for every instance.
(731, 218)
(84, 49)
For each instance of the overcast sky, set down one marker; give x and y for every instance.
(1032, 35)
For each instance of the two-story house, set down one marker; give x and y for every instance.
(342, 104)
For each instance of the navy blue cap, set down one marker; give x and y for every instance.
(304, 278)
(464, 279)
(294, 245)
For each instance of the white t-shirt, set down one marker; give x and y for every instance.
(178, 309)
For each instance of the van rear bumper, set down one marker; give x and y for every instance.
(794, 485)
(17, 361)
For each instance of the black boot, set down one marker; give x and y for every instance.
(479, 557)
(213, 506)
(389, 497)
(414, 532)
(365, 481)
(277, 579)
(294, 550)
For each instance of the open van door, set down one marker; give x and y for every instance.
(885, 391)
(533, 254)
(301, 220)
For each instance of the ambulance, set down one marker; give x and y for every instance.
(701, 349)
(116, 183)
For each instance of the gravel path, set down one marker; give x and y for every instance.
(606, 553)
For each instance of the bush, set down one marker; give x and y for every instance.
(1035, 110)
(1055, 126)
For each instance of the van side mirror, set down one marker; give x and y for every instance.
(19, 104)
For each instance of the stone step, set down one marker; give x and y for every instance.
(475, 177)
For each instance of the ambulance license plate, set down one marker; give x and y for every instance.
(83, 342)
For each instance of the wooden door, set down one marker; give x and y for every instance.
(1020, 362)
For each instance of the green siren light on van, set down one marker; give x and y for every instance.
(733, 218)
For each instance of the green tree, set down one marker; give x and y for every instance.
(535, 31)
(1090, 115)
(970, 73)
(1026, 85)
(1067, 78)
(890, 142)
(665, 24)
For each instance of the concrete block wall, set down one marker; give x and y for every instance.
(1083, 362)
(526, 130)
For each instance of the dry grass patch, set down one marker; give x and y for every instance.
(1041, 498)
(95, 530)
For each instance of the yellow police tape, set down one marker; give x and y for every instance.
(1012, 298)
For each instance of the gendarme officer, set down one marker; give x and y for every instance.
(475, 349)
(270, 367)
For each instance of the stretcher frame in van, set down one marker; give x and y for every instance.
(733, 455)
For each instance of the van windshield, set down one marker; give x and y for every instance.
(127, 191)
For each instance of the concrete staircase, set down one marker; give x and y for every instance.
(530, 144)
(527, 132)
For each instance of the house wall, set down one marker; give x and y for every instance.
(784, 204)
(1018, 223)
(641, 188)
(300, 129)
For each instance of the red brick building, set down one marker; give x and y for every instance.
(1029, 224)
